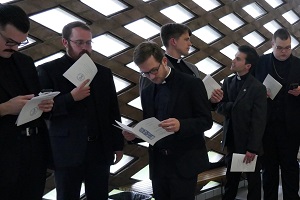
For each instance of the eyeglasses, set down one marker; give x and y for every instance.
(81, 43)
(279, 48)
(153, 71)
(11, 42)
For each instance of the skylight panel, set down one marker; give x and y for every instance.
(291, 17)
(207, 34)
(30, 42)
(136, 103)
(144, 28)
(294, 42)
(102, 42)
(274, 3)
(208, 66)
(107, 7)
(272, 26)
(232, 21)
(208, 5)
(59, 18)
(254, 10)
(214, 156)
(125, 161)
(49, 58)
(6, 1)
(177, 13)
(254, 38)
(230, 51)
(126, 121)
(133, 66)
(120, 84)
(143, 174)
(213, 131)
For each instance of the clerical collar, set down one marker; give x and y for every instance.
(175, 59)
(241, 77)
(166, 78)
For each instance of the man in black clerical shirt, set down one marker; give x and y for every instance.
(180, 102)
(244, 107)
(281, 138)
(23, 149)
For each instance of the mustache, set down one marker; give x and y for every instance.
(85, 51)
(10, 50)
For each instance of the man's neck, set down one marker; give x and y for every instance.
(173, 53)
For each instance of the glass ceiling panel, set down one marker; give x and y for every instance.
(126, 121)
(136, 103)
(6, 1)
(52, 194)
(294, 42)
(177, 13)
(213, 131)
(214, 156)
(133, 66)
(208, 65)
(272, 26)
(30, 42)
(291, 17)
(269, 51)
(124, 162)
(120, 84)
(207, 34)
(230, 51)
(254, 38)
(143, 174)
(100, 44)
(59, 18)
(144, 28)
(107, 7)
(254, 10)
(274, 3)
(49, 58)
(232, 21)
(225, 77)
(208, 5)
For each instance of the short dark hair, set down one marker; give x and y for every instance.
(14, 15)
(67, 30)
(173, 30)
(251, 55)
(281, 33)
(145, 50)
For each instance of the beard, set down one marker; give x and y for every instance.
(76, 56)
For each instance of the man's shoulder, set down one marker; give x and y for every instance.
(19, 55)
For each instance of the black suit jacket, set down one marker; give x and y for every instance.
(292, 103)
(188, 103)
(10, 147)
(67, 126)
(246, 114)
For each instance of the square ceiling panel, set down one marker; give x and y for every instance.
(232, 21)
(207, 34)
(255, 10)
(59, 18)
(208, 65)
(275, 3)
(178, 13)
(254, 38)
(144, 27)
(291, 17)
(230, 51)
(208, 5)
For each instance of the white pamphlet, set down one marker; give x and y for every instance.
(148, 130)
(31, 111)
(210, 85)
(84, 68)
(272, 86)
(237, 164)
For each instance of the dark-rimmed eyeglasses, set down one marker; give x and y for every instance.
(81, 43)
(153, 71)
(10, 42)
(279, 48)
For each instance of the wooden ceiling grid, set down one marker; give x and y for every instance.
(49, 42)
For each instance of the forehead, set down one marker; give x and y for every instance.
(282, 43)
(79, 33)
(241, 55)
(149, 64)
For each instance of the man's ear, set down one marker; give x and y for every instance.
(64, 42)
(173, 41)
(248, 66)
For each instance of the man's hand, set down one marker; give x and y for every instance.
(216, 96)
(170, 125)
(118, 156)
(249, 157)
(46, 105)
(128, 136)
(81, 92)
(295, 91)
(15, 105)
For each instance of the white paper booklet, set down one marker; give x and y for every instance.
(84, 68)
(237, 164)
(148, 130)
(272, 86)
(210, 85)
(31, 111)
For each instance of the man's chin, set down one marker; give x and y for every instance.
(6, 54)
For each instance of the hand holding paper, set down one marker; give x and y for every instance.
(31, 111)
(210, 85)
(84, 68)
(272, 86)
(238, 164)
